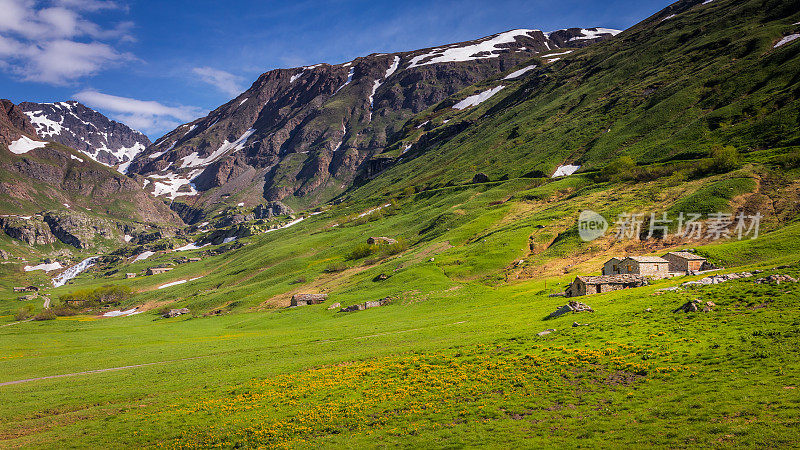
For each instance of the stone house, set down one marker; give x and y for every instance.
(308, 299)
(157, 270)
(587, 285)
(611, 267)
(685, 262)
(646, 266)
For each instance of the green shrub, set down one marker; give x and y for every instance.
(393, 249)
(24, 313)
(336, 267)
(361, 251)
(97, 296)
(46, 314)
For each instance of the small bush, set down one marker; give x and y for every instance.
(300, 280)
(97, 296)
(24, 313)
(336, 267)
(361, 251)
(63, 311)
(393, 249)
(46, 314)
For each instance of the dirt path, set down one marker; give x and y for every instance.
(100, 370)
(88, 372)
(14, 323)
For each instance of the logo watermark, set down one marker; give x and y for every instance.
(591, 225)
(692, 226)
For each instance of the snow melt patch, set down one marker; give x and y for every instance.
(193, 160)
(520, 72)
(45, 127)
(25, 144)
(787, 39)
(193, 245)
(229, 239)
(127, 238)
(75, 158)
(669, 17)
(349, 79)
(592, 33)
(459, 54)
(73, 271)
(119, 313)
(565, 170)
(142, 256)
(393, 68)
(171, 184)
(46, 267)
(477, 99)
(174, 283)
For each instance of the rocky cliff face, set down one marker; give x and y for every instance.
(86, 203)
(303, 135)
(86, 130)
(13, 123)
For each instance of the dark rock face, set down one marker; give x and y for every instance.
(76, 229)
(32, 231)
(13, 123)
(271, 209)
(311, 132)
(86, 130)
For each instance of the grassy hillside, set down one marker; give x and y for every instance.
(666, 89)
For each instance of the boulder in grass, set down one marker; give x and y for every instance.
(176, 312)
(571, 307)
(380, 240)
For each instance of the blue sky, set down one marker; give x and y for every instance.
(157, 64)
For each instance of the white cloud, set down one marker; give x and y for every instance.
(56, 44)
(150, 117)
(224, 81)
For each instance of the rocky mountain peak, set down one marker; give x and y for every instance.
(75, 125)
(307, 132)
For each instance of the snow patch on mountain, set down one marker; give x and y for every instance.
(468, 52)
(393, 68)
(194, 160)
(173, 185)
(786, 40)
(593, 33)
(565, 170)
(519, 73)
(25, 144)
(477, 99)
(349, 79)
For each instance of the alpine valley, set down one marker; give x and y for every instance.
(370, 254)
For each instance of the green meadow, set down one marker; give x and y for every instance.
(455, 359)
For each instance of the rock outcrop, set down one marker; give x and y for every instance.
(86, 130)
(31, 230)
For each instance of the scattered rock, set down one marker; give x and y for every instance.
(366, 305)
(717, 279)
(334, 306)
(571, 307)
(648, 310)
(546, 332)
(380, 240)
(176, 312)
(381, 277)
(694, 306)
(558, 294)
(480, 177)
(576, 324)
(777, 279)
(431, 260)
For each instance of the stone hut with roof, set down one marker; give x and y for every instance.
(587, 285)
(646, 266)
(685, 262)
